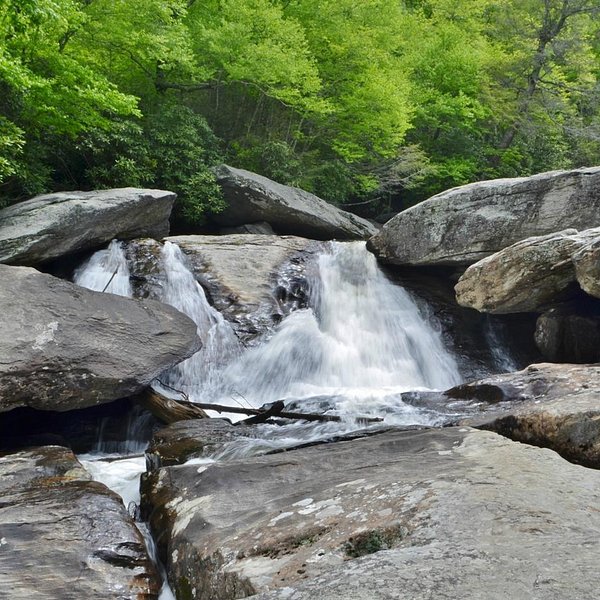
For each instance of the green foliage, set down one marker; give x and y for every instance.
(377, 103)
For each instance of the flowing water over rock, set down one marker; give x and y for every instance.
(106, 271)
(360, 344)
(200, 373)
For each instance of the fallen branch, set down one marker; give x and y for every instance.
(170, 411)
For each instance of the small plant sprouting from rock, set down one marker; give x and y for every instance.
(374, 540)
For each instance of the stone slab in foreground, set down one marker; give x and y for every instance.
(465, 224)
(450, 513)
(65, 347)
(54, 225)
(65, 536)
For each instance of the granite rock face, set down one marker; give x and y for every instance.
(384, 518)
(569, 335)
(252, 198)
(526, 276)
(65, 347)
(253, 280)
(55, 225)
(465, 224)
(65, 536)
(587, 267)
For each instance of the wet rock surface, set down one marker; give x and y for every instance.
(559, 408)
(65, 536)
(196, 438)
(55, 225)
(465, 224)
(65, 347)
(252, 198)
(570, 334)
(550, 405)
(253, 280)
(384, 518)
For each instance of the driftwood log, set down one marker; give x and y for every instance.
(169, 410)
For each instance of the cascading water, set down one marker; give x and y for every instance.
(361, 343)
(201, 372)
(362, 336)
(503, 361)
(106, 271)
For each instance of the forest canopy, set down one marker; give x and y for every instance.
(376, 104)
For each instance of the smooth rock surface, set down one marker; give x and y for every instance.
(449, 513)
(557, 407)
(253, 280)
(54, 225)
(65, 536)
(524, 277)
(465, 224)
(252, 198)
(65, 347)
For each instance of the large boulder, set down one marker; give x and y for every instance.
(65, 347)
(54, 225)
(450, 513)
(65, 536)
(252, 198)
(465, 224)
(526, 276)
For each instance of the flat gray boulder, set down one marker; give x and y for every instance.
(465, 224)
(54, 225)
(252, 198)
(65, 347)
(448, 513)
(65, 536)
(526, 276)
(551, 405)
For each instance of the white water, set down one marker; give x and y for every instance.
(122, 476)
(362, 343)
(107, 271)
(202, 371)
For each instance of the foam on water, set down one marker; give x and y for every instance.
(106, 271)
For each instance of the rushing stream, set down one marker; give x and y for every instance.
(361, 342)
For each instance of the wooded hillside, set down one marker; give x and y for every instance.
(379, 103)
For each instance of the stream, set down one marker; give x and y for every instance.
(359, 345)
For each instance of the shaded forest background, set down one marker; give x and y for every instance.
(373, 105)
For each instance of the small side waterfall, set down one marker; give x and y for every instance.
(106, 271)
(200, 373)
(503, 361)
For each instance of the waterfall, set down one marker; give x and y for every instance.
(200, 373)
(503, 361)
(362, 337)
(106, 271)
(122, 476)
(361, 343)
